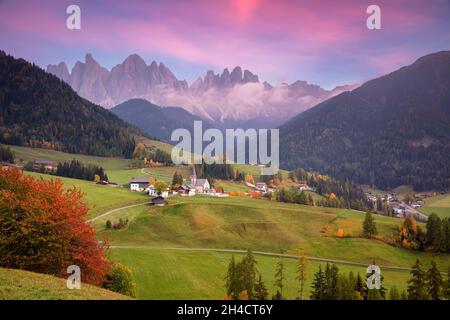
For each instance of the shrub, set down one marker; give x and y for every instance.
(120, 280)
(42, 228)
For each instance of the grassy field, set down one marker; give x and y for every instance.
(30, 154)
(439, 205)
(99, 198)
(241, 223)
(165, 274)
(24, 285)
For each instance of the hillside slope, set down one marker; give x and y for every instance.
(391, 131)
(25, 285)
(156, 121)
(39, 110)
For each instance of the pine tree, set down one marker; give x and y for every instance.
(434, 282)
(301, 274)
(369, 226)
(394, 294)
(260, 290)
(279, 278)
(417, 283)
(331, 281)
(318, 285)
(232, 280)
(360, 287)
(248, 266)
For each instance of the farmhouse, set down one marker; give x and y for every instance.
(48, 165)
(139, 184)
(186, 190)
(158, 201)
(303, 186)
(261, 186)
(200, 185)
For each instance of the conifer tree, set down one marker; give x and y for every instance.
(279, 278)
(434, 282)
(369, 226)
(417, 289)
(261, 292)
(318, 285)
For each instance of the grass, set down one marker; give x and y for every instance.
(99, 198)
(25, 285)
(439, 204)
(231, 186)
(241, 223)
(31, 154)
(166, 274)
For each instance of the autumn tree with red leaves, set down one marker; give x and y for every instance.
(42, 228)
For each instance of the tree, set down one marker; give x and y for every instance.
(318, 286)
(360, 288)
(279, 279)
(434, 231)
(369, 226)
(120, 279)
(177, 179)
(260, 290)
(301, 274)
(394, 294)
(43, 228)
(248, 267)
(232, 280)
(434, 282)
(417, 283)
(160, 187)
(331, 281)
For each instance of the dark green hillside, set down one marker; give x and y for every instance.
(154, 120)
(39, 110)
(391, 131)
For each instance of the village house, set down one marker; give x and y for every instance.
(200, 185)
(48, 165)
(261, 186)
(139, 184)
(158, 201)
(186, 190)
(303, 187)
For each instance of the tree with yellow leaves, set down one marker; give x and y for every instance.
(301, 273)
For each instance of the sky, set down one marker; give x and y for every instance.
(322, 42)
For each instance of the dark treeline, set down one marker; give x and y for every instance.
(75, 169)
(339, 194)
(244, 282)
(218, 171)
(39, 110)
(160, 156)
(436, 238)
(6, 154)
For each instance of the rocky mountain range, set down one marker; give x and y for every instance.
(230, 97)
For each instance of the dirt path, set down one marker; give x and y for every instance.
(117, 209)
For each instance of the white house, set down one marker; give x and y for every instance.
(139, 184)
(200, 185)
(261, 186)
(151, 191)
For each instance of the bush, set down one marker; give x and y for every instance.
(108, 224)
(42, 228)
(120, 280)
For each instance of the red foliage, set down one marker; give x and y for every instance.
(42, 228)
